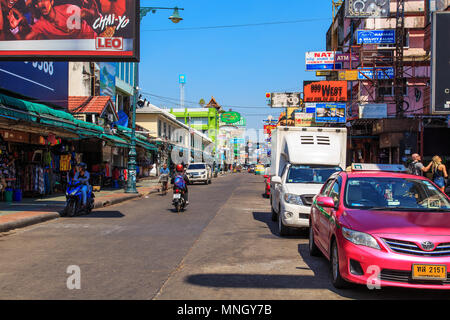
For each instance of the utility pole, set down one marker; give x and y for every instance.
(399, 83)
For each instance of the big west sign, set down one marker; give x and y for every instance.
(325, 91)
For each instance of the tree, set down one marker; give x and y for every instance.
(201, 102)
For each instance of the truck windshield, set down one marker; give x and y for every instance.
(310, 174)
(196, 166)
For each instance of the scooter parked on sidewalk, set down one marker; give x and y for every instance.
(74, 199)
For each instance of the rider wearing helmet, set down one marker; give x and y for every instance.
(83, 176)
(179, 172)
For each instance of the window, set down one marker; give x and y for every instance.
(159, 128)
(310, 174)
(335, 191)
(165, 130)
(386, 88)
(326, 187)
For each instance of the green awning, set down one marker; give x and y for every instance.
(115, 140)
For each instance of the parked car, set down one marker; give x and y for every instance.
(382, 225)
(198, 172)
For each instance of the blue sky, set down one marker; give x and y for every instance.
(235, 65)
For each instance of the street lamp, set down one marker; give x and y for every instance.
(131, 182)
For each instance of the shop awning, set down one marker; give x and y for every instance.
(141, 140)
(117, 141)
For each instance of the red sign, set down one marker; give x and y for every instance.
(102, 43)
(324, 91)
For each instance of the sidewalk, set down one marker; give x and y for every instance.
(34, 210)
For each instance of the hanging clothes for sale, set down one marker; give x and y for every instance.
(64, 162)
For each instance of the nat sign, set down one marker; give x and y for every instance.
(70, 30)
(321, 60)
(324, 91)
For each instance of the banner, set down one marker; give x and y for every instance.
(70, 30)
(230, 117)
(324, 91)
(269, 128)
(321, 60)
(348, 75)
(375, 36)
(330, 112)
(108, 79)
(367, 8)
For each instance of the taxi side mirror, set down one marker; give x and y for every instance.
(325, 202)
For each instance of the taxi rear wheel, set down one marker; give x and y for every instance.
(313, 249)
(338, 281)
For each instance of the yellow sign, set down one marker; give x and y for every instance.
(322, 73)
(348, 75)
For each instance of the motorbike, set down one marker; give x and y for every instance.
(178, 200)
(74, 199)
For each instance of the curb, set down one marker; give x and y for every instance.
(20, 223)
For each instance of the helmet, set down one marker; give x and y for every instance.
(180, 168)
(83, 165)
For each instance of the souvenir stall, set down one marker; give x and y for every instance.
(32, 165)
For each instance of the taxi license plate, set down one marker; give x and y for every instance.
(429, 272)
(177, 196)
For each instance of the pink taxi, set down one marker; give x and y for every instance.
(381, 227)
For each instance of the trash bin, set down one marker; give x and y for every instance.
(17, 197)
(8, 195)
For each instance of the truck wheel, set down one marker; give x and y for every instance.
(282, 229)
(274, 214)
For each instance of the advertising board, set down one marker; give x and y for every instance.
(321, 60)
(74, 30)
(330, 112)
(375, 36)
(380, 73)
(285, 100)
(324, 91)
(367, 8)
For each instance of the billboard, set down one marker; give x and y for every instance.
(330, 113)
(45, 81)
(367, 8)
(230, 117)
(285, 100)
(375, 36)
(324, 91)
(348, 75)
(321, 60)
(76, 30)
(440, 82)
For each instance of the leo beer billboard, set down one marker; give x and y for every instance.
(440, 81)
(70, 30)
(324, 91)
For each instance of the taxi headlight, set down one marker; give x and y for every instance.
(360, 238)
(293, 199)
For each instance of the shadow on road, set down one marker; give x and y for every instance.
(266, 217)
(101, 214)
(320, 266)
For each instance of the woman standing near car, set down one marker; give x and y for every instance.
(439, 172)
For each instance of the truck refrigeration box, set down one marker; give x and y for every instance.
(308, 146)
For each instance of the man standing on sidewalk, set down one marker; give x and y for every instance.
(416, 167)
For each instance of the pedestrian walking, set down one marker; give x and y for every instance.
(439, 172)
(416, 166)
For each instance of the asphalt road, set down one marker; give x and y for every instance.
(223, 247)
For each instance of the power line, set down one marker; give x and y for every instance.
(238, 25)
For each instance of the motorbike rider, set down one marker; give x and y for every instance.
(165, 170)
(179, 172)
(83, 177)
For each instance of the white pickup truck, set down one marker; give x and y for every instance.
(302, 160)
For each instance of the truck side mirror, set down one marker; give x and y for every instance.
(276, 179)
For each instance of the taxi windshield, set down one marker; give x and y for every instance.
(394, 194)
(310, 174)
